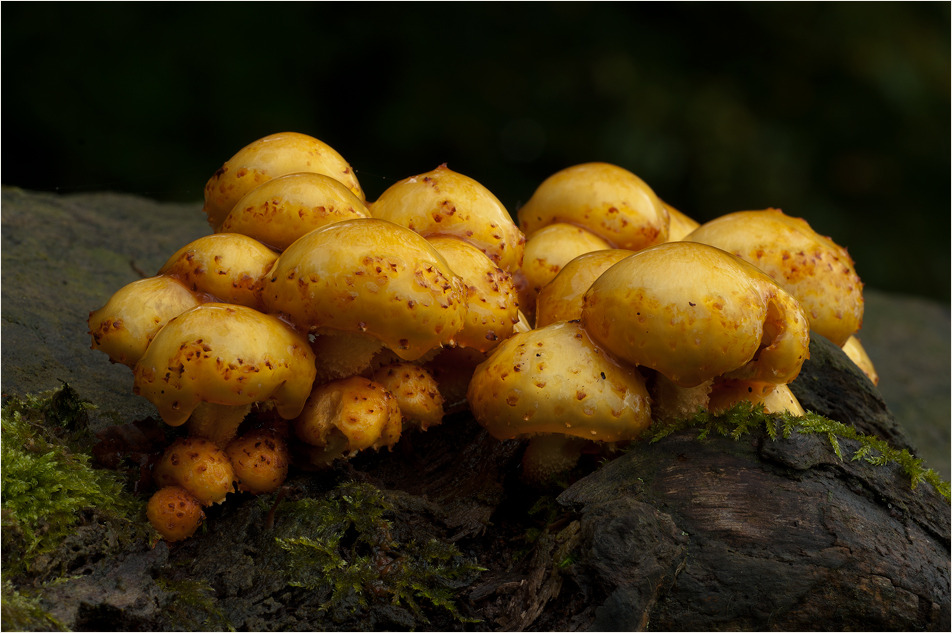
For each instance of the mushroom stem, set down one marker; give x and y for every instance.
(550, 454)
(670, 401)
(217, 422)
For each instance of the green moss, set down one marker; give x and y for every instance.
(193, 606)
(45, 482)
(745, 418)
(23, 612)
(346, 551)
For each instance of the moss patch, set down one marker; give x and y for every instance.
(745, 418)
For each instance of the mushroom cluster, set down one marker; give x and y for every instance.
(344, 323)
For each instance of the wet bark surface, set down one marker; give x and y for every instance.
(684, 533)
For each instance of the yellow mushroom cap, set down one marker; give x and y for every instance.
(417, 394)
(124, 327)
(854, 349)
(225, 354)
(811, 267)
(267, 158)
(680, 225)
(260, 459)
(360, 410)
(227, 266)
(174, 513)
(198, 466)
(557, 380)
(444, 202)
(693, 312)
(609, 201)
(562, 298)
(549, 249)
(491, 308)
(369, 276)
(283, 209)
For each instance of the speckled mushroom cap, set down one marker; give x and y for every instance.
(124, 327)
(225, 354)
(444, 202)
(562, 298)
(491, 308)
(283, 209)
(557, 380)
(267, 158)
(369, 276)
(548, 250)
(227, 266)
(693, 312)
(609, 201)
(814, 269)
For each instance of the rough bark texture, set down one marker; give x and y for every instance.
(686, 534)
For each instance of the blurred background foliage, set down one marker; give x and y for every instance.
(838, 113)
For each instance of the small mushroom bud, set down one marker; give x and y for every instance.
(260, 459)
(443, 202)
(345, 416)
(267, 158)
(283, 209)
(416, 392)
(227, 266)
(174, 513)
(198, 466)
(609, 201)
(126, 325)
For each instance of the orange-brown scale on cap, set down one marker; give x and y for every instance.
(609, 201)
(126, 325)
(174, 513)
(345, 416)
(198, 466)
(443, 202)
(372, 277)
(260, 459)
(416, 392)
(285, 208)
(269, 157)
(227, 266)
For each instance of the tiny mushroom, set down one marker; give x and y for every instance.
(556, 386)
(261, 459)
(283, 209)
(174, 513)
(216, 360)
(267, 158)
(345, 416)
(198, 466)
(416, 392)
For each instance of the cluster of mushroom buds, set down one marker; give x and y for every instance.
(344, 323)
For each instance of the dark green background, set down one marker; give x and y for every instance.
(838, 113)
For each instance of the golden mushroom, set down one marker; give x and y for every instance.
(563, 297)
(216, 360)
(269, 157)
